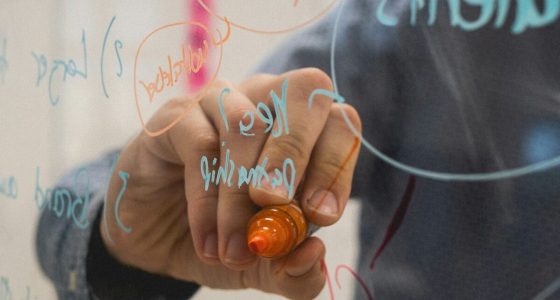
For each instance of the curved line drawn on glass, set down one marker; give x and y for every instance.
(545, 294)
(396, 220)
(3, 60)
(172, 74)
(124, 176)
(117, 45)
(354, 274)
(442, 176)
(300, 25)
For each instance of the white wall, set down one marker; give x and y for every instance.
(84, 123)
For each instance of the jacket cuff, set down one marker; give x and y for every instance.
(110, 279)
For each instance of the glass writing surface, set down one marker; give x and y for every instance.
(454, 191)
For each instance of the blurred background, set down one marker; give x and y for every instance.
(56, 113)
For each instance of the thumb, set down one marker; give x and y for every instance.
(299, 275)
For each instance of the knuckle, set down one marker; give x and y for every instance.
(221, 83)
(350, 112)
(307, 287)
(259, 126)
(195, 199)
(292, 146)
(328, 168)
(236, 117)
(260, 77)
(313, 78)
(308, 80)
(175, 103)
(314, 290)
(205, 141)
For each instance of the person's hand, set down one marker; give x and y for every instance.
(180, 229)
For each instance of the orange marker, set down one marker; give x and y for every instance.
(276, 230)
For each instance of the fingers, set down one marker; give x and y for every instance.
(329, 175)
(196, 143)
(295, 132)
(299, 275)
(241, 139)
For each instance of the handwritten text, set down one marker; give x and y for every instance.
(8, 187)
(169, 75)
(264, 113)
(117, 45)
(69, 69)
(254, 176)
(6, 292)
(527, 14)
(59, 200)
(3, 59)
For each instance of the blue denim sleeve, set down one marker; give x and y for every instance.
(73, 255)
(62, 246)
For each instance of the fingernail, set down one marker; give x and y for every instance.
(297, 270)
(278, 190)
(324, 202)
(211, 246)
(237, 251)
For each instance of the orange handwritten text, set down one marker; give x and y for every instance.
(168, 76)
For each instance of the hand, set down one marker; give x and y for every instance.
(181, 230)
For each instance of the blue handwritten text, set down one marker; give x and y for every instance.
(3, 59)
(59, 200)
(254, 176)
(117, 45)
(8, 187)
(69, 69)
(527, 13)
(263, 112)
(6, 292)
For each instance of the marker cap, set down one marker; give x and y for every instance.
(275, 231)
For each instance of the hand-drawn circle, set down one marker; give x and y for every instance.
(442, 176)
(279, 31)
(200, 94)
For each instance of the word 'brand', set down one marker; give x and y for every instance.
(62, 199)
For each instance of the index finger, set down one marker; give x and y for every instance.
(294, 133)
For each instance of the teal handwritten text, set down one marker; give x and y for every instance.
(69, 68)
(8, 187)
(117, 45)
(264, 114)
(63, 202)
(252, 176)
(3, 59)
(527, 13)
